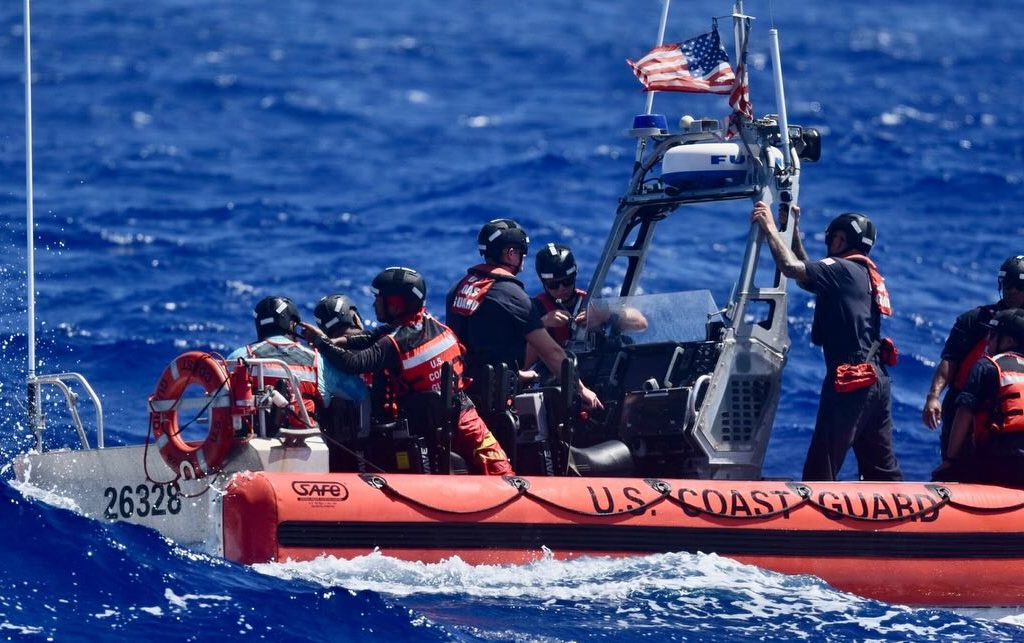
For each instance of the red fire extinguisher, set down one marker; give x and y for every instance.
(242, 403)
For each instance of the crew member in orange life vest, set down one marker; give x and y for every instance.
(991, 407)
(492, 315)
(559, 304)
(850, 299)
(965, 345)
(275, 319)
(410, 349)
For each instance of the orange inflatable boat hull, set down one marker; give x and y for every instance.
(911, 543)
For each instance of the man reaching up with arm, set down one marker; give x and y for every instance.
(850, 298)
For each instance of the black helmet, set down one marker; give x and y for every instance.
(1011, 273)
(335, 314)
(555, 261)
(859, 231)
(401, 282)
(499, 234)
(275, 316)
(1009, 323)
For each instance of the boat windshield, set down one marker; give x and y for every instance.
(665, 317)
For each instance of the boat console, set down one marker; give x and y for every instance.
(694, 393)
(653, 381)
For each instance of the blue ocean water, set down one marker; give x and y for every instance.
(194, 157)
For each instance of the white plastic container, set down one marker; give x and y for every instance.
(703, 166)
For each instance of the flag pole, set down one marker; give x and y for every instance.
(661, 41)
(641, 142)
(738, 31)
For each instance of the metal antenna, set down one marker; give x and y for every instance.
(34, 411)
(780, 94)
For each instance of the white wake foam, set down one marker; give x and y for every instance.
(656, 591)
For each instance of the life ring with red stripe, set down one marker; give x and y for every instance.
(200, 458)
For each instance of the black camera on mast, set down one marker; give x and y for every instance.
(806, 142)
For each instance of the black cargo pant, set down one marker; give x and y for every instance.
(859, 419)
(948, 413)
(1000, 460)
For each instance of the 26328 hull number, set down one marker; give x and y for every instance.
(156, 499)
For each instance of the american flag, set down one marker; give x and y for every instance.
(739, 97)
(698, 65)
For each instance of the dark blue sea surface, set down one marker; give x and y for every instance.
(192, 157)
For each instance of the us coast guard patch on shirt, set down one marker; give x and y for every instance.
(470, 292)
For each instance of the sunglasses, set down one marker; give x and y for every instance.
(554, 284)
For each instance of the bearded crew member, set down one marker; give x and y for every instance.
(965, 346)
(410, 350)
(492, 314)
(850, 299)
(990, 411)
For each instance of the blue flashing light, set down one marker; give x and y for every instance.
(650, 121)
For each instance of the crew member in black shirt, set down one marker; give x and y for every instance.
(850, 298)
(965, 345)
(492, 314)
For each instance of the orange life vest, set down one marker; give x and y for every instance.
(301, 361)
(561, 334)
(423, 349)
(1008, 415)
(879, 292)
(963, 371)
(470, 292)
